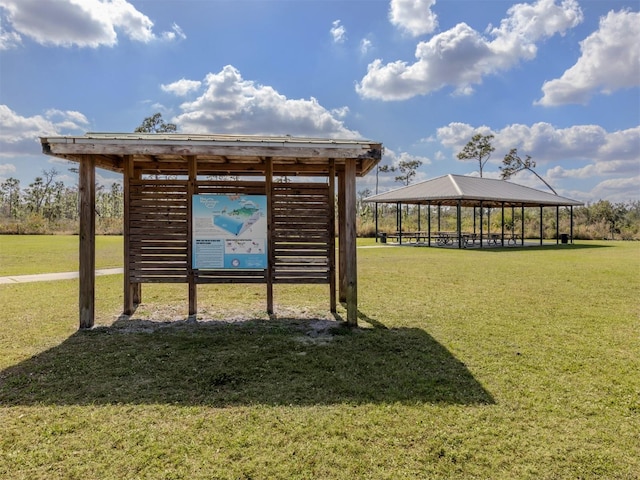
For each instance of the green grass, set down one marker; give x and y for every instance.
(514, 363)
(30, 254)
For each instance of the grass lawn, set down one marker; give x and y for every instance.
(30, 254)
(501, 364)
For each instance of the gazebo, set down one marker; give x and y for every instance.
(479, 193)
(204, 209)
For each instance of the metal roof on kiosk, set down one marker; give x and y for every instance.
(216, 154)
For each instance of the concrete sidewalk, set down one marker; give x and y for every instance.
(46, 277)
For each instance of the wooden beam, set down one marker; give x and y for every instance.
(87, 186)
(351, 273)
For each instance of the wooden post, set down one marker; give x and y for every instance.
(332, 236)
(350, 242)
(342, 242)
(87, 259)
(129, 288)
(271, 257)
(136, 286)
(192, 162)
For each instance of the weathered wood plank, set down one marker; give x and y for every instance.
(351, 272)
(87, 260)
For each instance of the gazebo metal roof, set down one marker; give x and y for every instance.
(470, 191)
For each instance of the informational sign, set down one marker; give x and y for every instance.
(229, 231)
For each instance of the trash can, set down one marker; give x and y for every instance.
(564, 238)
(383, 238)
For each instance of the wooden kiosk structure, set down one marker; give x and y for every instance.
(163, 172)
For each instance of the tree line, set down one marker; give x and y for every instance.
(48, 205)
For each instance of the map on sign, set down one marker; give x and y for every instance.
(229, 231)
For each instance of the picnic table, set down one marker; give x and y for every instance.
(446, 238)
(416, 236)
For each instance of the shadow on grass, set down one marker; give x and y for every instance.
(272, 362)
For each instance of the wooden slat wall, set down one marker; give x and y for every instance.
(300, 246)
(158, 231)
(301, 235)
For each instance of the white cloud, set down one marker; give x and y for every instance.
(580, 151)
(394, 158)
(6, 169)
(616, 190)
(8, 40)
(182, 87)
(19, 135)
(413, 16)
(386, 180)
(231, 104)
(610, 61)
(175, 33)
(338, 32)
(461, 56)
(545, 142)
(365, 46)
(82, 23)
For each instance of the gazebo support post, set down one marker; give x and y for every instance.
(192, 166)
(399, 221)
(429, 224)
(419, 229)
(541, 226)
(376, 214)
(513, 223)
(350, 247)
(459, 223)
(571, 223)
(502, 224)
(522, 226)
(481, 223)
(557, 224)
(87, 260)
(439, 227)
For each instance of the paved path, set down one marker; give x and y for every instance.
(45, 277)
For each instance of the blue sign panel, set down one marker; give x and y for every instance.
(229, 232)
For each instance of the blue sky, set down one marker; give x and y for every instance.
(557, 79)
